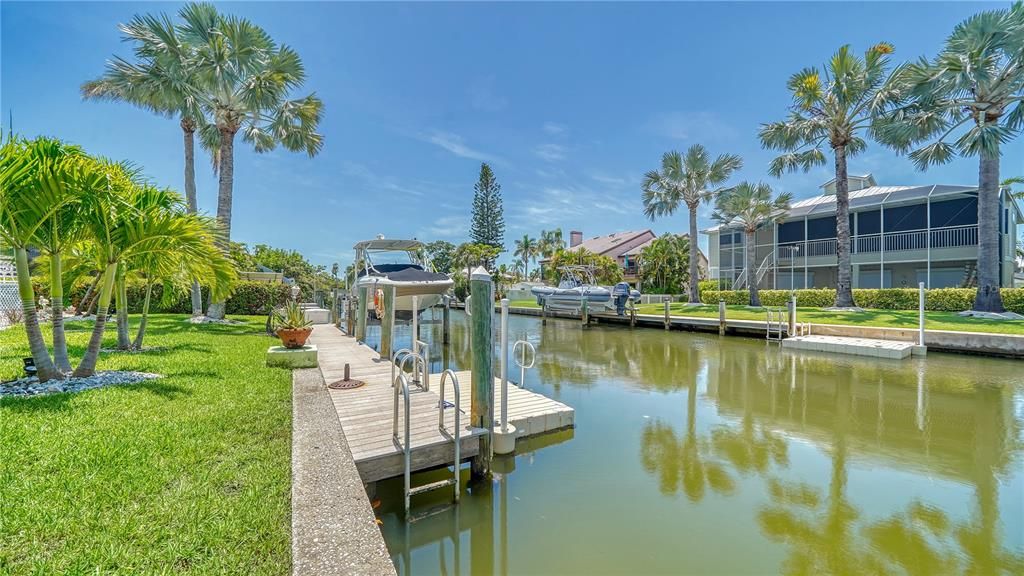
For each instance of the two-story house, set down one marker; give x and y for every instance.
(900, 235)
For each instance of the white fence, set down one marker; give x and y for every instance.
(9, 299)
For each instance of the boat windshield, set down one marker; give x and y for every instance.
(392, 260)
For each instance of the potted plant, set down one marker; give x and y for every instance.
(291, 325)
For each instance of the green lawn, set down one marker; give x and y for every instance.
(884, 318)
(187, 473)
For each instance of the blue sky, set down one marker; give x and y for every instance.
(570, 103)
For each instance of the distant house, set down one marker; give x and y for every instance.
(632, 256)
(624, 248)
(899, 236)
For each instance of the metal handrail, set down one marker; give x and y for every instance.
(776, 317)
(458, 425)
(394, 361)
(401, 375)
(403, 383)
(521, 362)
(424, 370)
(425, 354)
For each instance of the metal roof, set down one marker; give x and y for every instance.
(385, 244)
(867, 198)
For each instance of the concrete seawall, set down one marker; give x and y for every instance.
(983, 343)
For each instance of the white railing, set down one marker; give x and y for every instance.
(893, 242)
(955, 236)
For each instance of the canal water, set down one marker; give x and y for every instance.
(695, 454)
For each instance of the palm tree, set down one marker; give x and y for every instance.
(182, 261)
(836, 112)
(526, 248)
(245, 79)
(974, 91)
(751, 206)
(691, 180)
(128, 226)
(41, 184)
(162, 80)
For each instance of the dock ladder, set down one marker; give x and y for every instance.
(401, 385)
(777, 324)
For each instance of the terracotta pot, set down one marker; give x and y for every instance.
(293, 337)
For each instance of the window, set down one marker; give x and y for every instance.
(903, 218)
(869, 222)
(791, 232)
(958, 212)
(820, 228)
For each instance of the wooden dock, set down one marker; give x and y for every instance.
(366, 413)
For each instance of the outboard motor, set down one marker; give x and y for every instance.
(621, 293)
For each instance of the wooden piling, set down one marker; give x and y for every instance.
(668, 320)
(350, 316)
(721, 317)
(544, 314)
(632, 314)
(363, 296)
(585, 311)
(482, 343)
(387, 323)
(446, 326)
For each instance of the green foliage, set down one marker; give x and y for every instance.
(831, 107)
(606, 270)
(550, 241)
(936, 299)
(470, 254)
(488, 224)
(688, 180)
(968, 100)
(665, 264)
(712, 285)
(442, 255)
(291, 317)
(248, 298)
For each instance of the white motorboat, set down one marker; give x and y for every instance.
(403, 264)
(578, 284)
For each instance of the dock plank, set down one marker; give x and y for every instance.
(366, 413)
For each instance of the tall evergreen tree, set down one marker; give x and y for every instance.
(488, 226)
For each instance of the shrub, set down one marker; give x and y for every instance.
(936, 299)
(248, 298)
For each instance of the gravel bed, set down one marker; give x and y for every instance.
(32, 387)
(208, 320)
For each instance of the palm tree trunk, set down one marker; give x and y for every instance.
(60, 345)
(85, 303)
(145, 316)
(45, 368)
(188, 130)
(123, 341)
(87, 367)
(694, 296)
(224, 193)
(988, 297)
(844, 282)
(749, 256)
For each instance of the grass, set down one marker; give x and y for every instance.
(881, 318)
(187, 473)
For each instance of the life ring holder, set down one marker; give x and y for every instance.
(378, 302)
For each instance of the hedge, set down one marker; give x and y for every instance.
(936, 299)
(248, 298)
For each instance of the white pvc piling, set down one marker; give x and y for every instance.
(920, 313)
(503, 363)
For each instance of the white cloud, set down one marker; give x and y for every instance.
(550, 152)
(375, 181)
(608, 180)
(446, 227)
(483, 94)
(555, 128)
(691, 125)
(456, 145)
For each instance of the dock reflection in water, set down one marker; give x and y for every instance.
(700, 455)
